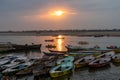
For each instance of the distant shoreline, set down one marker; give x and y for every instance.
(95, 33)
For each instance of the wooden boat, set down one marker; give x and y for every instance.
(74, 48)
(101, 62)
(16, 68)
(50, 46)
(57, 51)
(4, 61)
(85, 53)
(49, 40)
(84, 61)
(71, 48)
(116, 50)
(26, 47)
(66, 59)
(109, 54)
(4, 50)
(53, 53)
(112, 47)
(83, 43)
(62, 69)
(12, 63)
(3, 67)
(116, 58)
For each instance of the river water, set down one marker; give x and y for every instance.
(110, 72)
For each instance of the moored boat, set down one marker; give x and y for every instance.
(4, 61)
(57, 51)
(50, 46)
(84, 61)
(62, 69)
(71, 48)
(52, 53)
(65, 59)
(109, 54)
(83, 43)
(16, 68)
(49, 40)
(74, 48)
(101, 62)
(12, 63)
(85, 53)
(116, 58)
(26, 46)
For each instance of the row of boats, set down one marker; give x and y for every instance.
(11, 64)
(66, 64)
(54, 65)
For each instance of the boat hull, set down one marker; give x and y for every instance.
(26, 47)
(102, 62)
(99, 65)
(80, 65)
(116, 60)
(58, 74)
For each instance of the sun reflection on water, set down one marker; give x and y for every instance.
(60, 41)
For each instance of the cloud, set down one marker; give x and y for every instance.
(80, 13)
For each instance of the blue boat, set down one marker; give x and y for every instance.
(62, 69)
(66, 59)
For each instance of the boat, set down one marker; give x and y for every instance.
(49, 40)
(85, 53)
(6, 47)
(83, 43)
(101, 62)
(116, 58)
(112, 47)
(57, 51)
(26, 46)
(98, 35)
(4, 61)
(12, 63)
(52, 53)
(16, 68)
(8, 65)
(109, 54)
(71, 48)
(74, 48)
(50, 46)
(84, 61)
(62, 69)
(65, 59)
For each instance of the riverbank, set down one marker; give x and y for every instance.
(95, 33)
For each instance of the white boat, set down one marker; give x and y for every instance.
(109, 54)
(4, 61)
(17, 68)
(84, 61)
(12, 63)
(101, 62)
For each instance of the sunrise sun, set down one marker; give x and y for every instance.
(57, 13)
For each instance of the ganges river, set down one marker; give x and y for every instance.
(111, 72)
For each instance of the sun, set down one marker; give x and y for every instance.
(57, 13)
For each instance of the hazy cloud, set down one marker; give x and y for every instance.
(20, 14)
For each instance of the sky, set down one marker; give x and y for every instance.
(17, 15)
